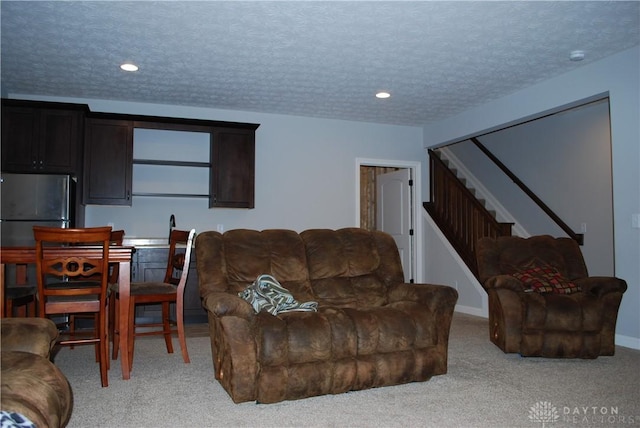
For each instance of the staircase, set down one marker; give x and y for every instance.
(459, 214)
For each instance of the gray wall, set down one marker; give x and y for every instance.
(565, 159)
(617, 77)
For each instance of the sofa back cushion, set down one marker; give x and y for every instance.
(233, 260)
(351, 267)
(511, 254)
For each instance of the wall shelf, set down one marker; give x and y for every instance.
(171, 163)
(170, 195)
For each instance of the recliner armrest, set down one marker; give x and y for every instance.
(507, 282)
(431, 295)
(225, 304)
(601, 285)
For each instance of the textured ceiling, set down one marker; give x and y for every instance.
(321, 59)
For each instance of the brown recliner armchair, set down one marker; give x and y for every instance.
(542, 301)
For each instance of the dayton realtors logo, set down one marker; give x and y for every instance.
(546, 413)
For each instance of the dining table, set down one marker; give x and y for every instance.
(117, 254)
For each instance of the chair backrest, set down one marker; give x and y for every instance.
(117, 237)
(72, 267)
(508, 254)
(178, 261)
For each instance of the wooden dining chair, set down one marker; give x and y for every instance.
(22, 298)
(117, 236)
(18, 297)
(71, 280)
(170, 290)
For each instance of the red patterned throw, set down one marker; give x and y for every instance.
(546, 279)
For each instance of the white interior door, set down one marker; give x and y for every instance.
(394, 214)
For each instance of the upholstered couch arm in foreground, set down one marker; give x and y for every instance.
(32, 386)
(371, 329)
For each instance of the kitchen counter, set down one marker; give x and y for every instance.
(146, 242)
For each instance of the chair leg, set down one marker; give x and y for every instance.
(132, 331)
(112, 313)
(97, 332)
(8, 312)
(22, 311)
(115, 329)
(26, 307)
(31, 308)
(104, 349)
(166, 326)
(72, 328)
(181, 334)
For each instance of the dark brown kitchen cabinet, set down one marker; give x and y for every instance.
(108, 166)
(109, 159)
(41, 137)
(232, 175)
(63, 138)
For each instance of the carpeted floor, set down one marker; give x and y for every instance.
(483, 388)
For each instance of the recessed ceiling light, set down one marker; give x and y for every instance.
(128, 66)
(576, 55)
(383, 94)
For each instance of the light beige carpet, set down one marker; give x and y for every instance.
(483, 388)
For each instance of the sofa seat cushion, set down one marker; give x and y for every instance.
(332, 334)
(34, 387)
(336, 350)
(34, 335)
(277, 383)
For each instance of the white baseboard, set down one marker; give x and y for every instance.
(628, 341)
(470, 310)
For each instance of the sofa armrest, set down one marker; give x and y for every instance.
(223, 304)
(431, 295)
(34, 335)
(601, 285)
(439, 302)
(507, 282)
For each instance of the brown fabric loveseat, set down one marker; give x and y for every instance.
(371, 329)
(542, 301)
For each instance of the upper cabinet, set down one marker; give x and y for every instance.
(107, 162)
(98, 148)
(41, 137)
(227, 179)
(232, 168)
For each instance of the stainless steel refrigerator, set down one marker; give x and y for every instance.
(34, 199)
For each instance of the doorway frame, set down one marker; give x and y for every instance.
(416, 196)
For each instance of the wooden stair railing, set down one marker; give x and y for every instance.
(458, 213)
(578, 237)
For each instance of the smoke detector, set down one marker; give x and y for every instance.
(576, 56)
